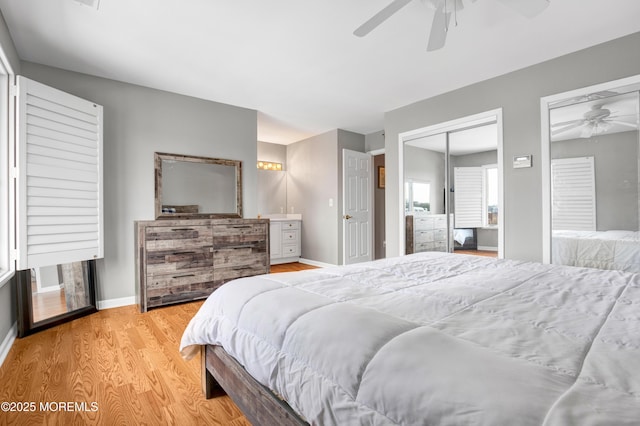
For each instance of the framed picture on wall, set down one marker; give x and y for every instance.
(381, 179)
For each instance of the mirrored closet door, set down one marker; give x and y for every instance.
(592, 176)
(452, 187)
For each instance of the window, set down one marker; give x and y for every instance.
(476, 196)
(490, 195)
(573, 194)
(417, 197)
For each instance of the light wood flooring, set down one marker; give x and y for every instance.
(485, 253)
(126, 363)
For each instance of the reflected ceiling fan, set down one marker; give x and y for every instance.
(443, 11)
(596, 120)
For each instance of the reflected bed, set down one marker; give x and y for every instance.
(618, 250)
(430, 338)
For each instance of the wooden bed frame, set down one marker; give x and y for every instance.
(221, 373)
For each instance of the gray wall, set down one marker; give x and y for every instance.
(616, 173)
(8, 291)
(424, 165)
(312, 179)
(518, 94)
(374, 141)
(137, 122)
(272, 185)
(314, 176)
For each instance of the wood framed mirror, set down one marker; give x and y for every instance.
(51, 295)
(189, 186)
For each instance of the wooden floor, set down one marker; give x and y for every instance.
(485, 253)
(119, 366)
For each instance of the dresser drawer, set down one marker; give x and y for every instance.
(422, 223)
(239, 262)
(230, 235)
(177, 237)
(178, 261)
(423, 237)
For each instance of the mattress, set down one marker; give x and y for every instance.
(597, 249)
(436, 339)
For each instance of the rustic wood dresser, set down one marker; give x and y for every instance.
(185, 260)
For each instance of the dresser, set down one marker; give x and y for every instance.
(427, 233)
(285, 240)
(184, 260)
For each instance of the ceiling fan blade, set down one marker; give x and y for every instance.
(439, 26)
(567, 128)
(380, 17)
(623, 123)
(528, 8)
(564, 123)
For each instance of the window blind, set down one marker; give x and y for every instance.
(467, 197)
(59, 177)
(573, 194)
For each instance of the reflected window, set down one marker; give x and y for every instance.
(417, 197)
(490, 195)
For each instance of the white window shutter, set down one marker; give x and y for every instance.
(467, 197)
(59, 198)
(573, 194)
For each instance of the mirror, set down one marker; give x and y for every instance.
(452, 186)
(51, 295)
(592, 177)
(189, 186)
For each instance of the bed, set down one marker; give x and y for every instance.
(615, 249)
(429, 338)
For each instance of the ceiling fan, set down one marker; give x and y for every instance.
(596, 120)
(443, 11)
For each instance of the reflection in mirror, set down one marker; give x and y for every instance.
(50, 294)
(594, 180)
(189, 186)
(468, 191)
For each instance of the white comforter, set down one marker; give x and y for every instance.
(597, 249)
(436, 339)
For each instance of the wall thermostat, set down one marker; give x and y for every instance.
(521, 161)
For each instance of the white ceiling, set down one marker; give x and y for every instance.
(297, 61)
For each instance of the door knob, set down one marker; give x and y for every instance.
(346, 216)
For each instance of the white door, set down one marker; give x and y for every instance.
(357, 207)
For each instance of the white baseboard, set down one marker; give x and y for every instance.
(50, 289)
(116, 303)
(285, 260)
(487, 248)
(315, 263)
(5, 347)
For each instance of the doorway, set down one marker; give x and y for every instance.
(452, 184)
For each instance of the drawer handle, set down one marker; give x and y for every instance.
(184, 252)
(184, 276)
(241, 226)
(182, 229)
